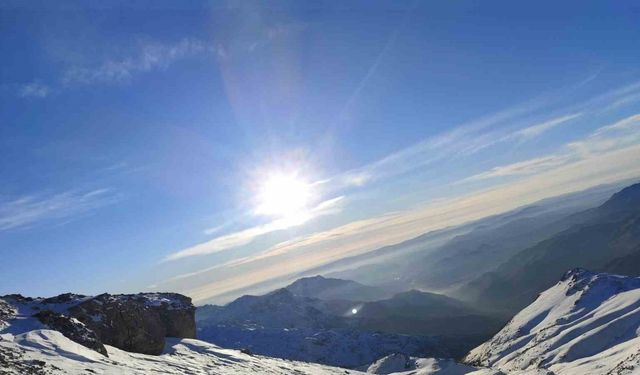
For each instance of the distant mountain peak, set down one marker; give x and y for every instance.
(281, 294)
(576, 273)
(316, 277)
(625, 200)
(327, 288)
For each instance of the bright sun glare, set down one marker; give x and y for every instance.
(283, 195)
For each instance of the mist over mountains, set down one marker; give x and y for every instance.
(603, 238)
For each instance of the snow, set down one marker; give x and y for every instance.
(280, 324)
(402, 364)
(182, 356)
(588, 323)
(336, 347)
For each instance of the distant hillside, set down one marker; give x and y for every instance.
(406, 322)
(603, 239)
(281, 324)
(422, 313)
(446, 258)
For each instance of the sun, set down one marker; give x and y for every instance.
(283, 195)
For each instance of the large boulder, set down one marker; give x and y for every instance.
(72, 329)
(132, 322)
(137, 322)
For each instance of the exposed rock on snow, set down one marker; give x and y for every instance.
(138, 323)
(392, 363)
(73, 329)
(588, 323)
(132, 322)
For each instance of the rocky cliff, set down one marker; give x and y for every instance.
(132, 322)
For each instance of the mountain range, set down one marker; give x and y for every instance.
(587, 323)
(445, 259)
(605, 238)
(413, 322)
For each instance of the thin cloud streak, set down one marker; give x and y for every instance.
(537, 130)
(33, 209)
(467, 139)
(463, 140)
(617, 135)
(246, 236)
(620, 134)
(626, 123)
(522, 168)
(151, 56)
(34, 90)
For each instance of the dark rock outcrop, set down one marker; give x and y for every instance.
(132, 322)
(138, 323)
(7, 312)
(72, 329)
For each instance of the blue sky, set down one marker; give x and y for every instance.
(136, 141)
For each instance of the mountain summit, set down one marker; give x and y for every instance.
(328, 289)
(586, 324)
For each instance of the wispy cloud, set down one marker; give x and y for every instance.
(481, 134)
(246, 236)
(617, 135)
(464, 140)
(523, 168)
(216, 229)
(624, 124)
(622, 133)
(150, 56)
(34, 90)
(538, 129)
(29, 210)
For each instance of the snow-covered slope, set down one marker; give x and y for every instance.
(49, 352)
(335, 347)
(402, 364)
(588, 323)
(281, 324)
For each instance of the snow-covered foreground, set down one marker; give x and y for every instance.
(45, 351)
(588, 323)
(182, 356)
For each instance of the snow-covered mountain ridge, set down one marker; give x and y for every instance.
(588, 323)
(292, 323)
(280, 324)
